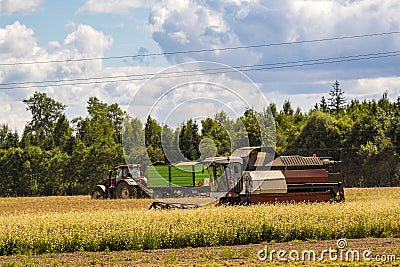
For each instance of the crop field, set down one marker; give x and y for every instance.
(69, 224)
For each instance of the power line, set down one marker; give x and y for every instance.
(211, 71)
(338, 60)
(204, 50)
(326, 60)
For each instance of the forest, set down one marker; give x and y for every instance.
(58, 156)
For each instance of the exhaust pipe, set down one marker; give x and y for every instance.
(110, 188)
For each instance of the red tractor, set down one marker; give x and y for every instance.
(124, 182)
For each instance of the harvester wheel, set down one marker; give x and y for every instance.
(97, 193)
(123, 190)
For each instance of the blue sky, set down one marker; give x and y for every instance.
(40, 30)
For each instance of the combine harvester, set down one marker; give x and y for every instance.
(259, 175)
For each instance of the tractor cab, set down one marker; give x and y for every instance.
(127, 171)
(124, 172)
(121, 172)
(225, 175)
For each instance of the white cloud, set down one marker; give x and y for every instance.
(87, 41)
(18, 44)
(212, 24)
(180, 37)
(172, 99)
(193, 25)
(207, 24)
(373, 88)
(114, 6)
(54, 44)
(5, 108)
(8, 7)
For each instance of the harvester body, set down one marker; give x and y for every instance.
(259, 175)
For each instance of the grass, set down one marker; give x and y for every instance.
(68, 224)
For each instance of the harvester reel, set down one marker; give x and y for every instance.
(160, 205)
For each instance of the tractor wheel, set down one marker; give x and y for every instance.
(97, 193)
(143, 193)
(124, 190)
(134, 191)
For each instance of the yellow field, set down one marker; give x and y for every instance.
(67, 224)
(40, 205)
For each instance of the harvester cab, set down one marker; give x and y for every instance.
(225, 176)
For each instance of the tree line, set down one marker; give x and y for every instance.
(57, 156)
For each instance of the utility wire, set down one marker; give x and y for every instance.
(210, 71)
(203, 50)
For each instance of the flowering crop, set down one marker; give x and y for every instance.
(121, 225)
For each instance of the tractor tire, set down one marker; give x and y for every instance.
(97, 193)
(142, 193)
(134, 191)
(124, 190)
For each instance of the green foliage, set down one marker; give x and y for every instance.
(251, 124)
(152, 134)
(189, 140)
(62, 136)
(371, 142)
(7, 137)
(55, 156)
(323, 105)
(336, 99)
(288, 127)
(134, 141)
(321, 134)
(32, 171)
(170, 145)
(217, 130)
(45, 112)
